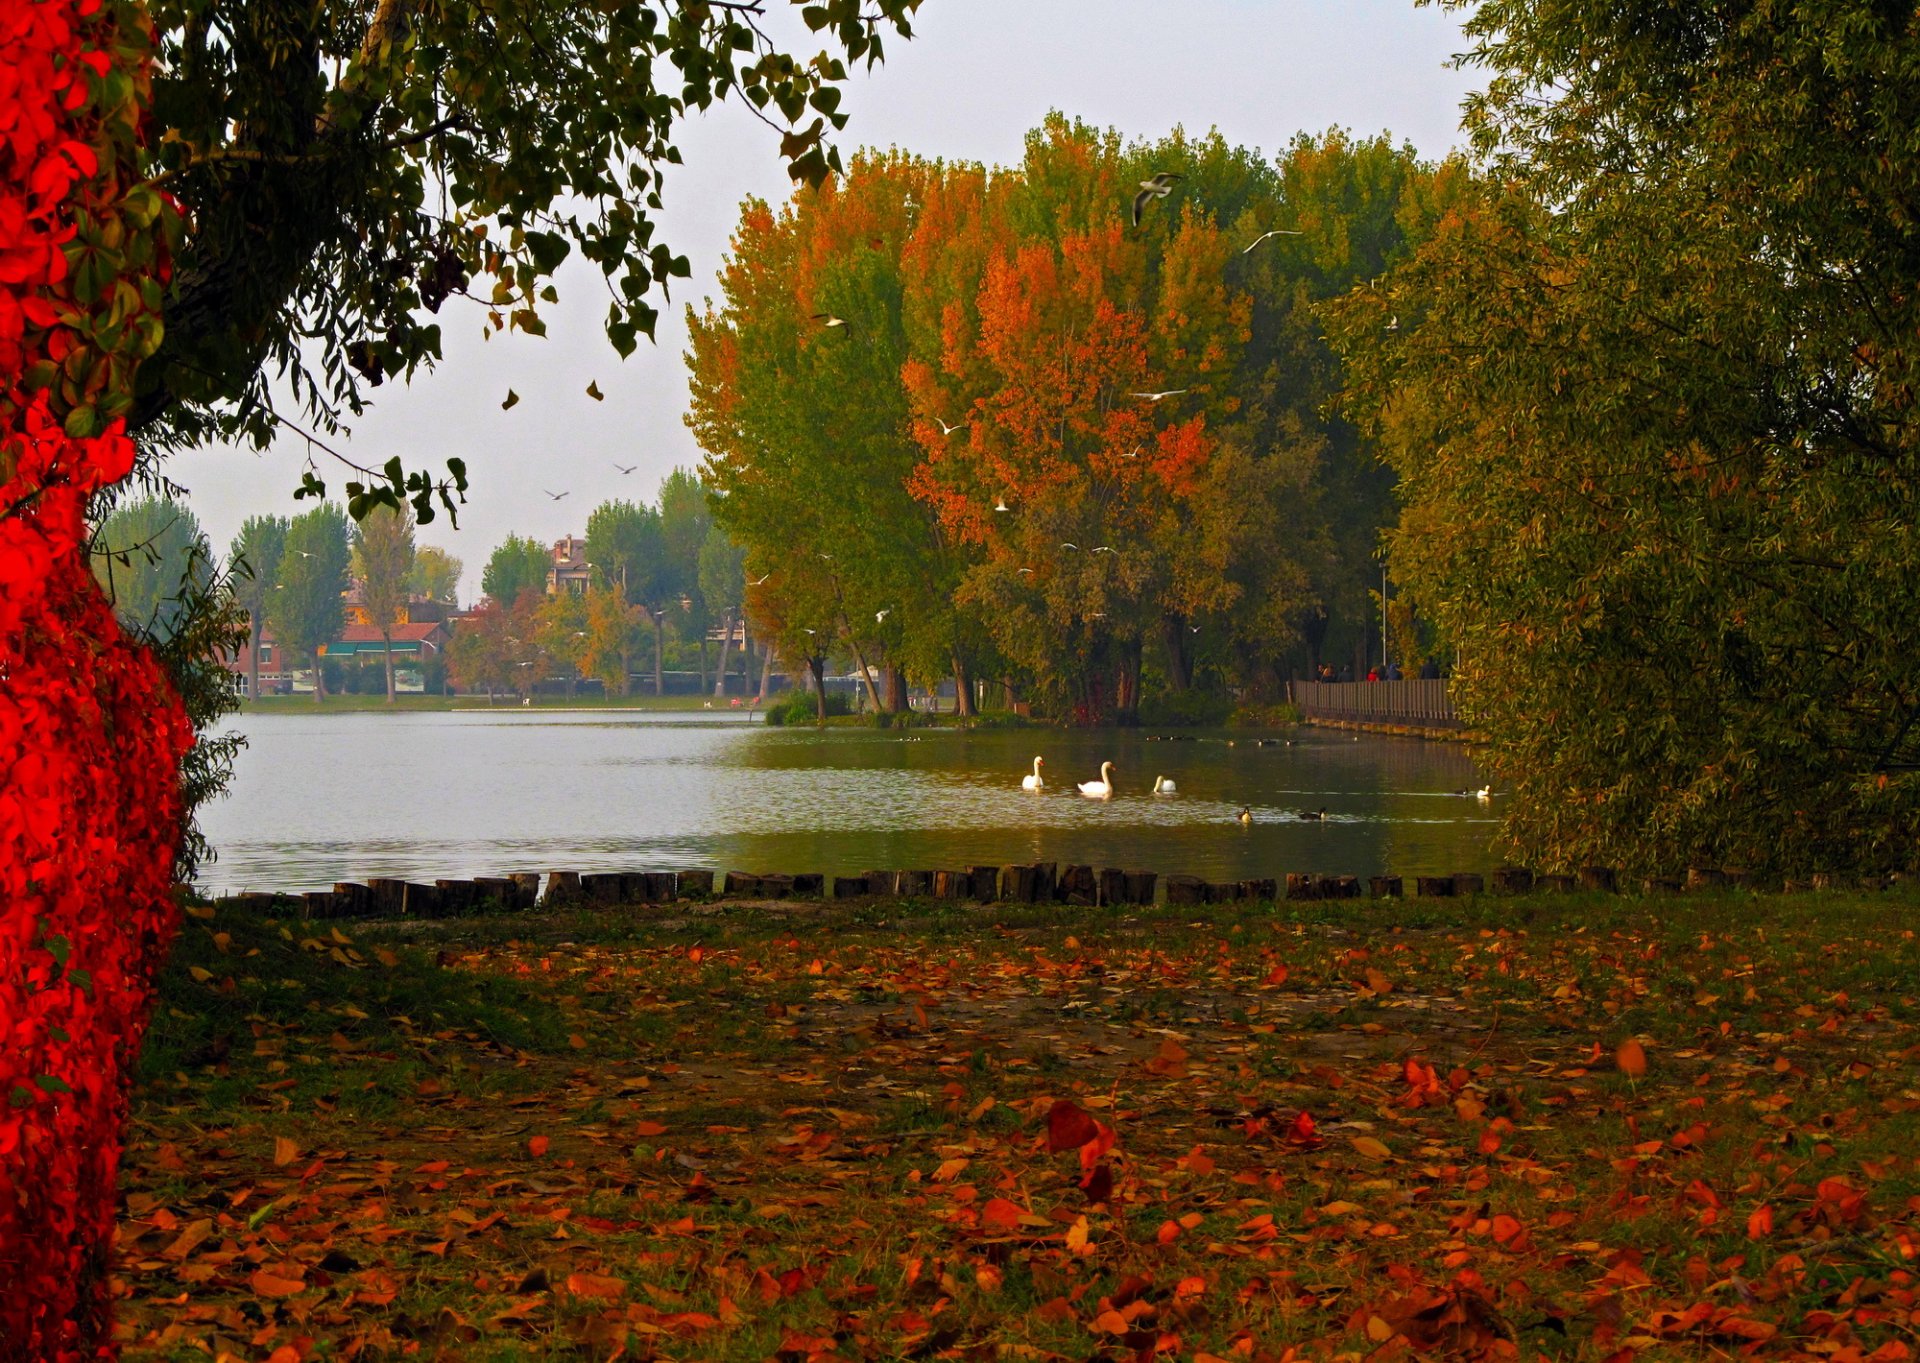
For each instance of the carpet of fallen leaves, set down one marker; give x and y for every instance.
(1475, 1129)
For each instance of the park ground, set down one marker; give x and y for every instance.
(1564, 1127)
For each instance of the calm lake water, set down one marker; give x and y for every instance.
(326, 797)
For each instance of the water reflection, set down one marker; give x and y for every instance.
(327, 797)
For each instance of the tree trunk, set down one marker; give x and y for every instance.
(817, 665)
(626, 670)
(659, 649)
(386, 637)
(766, 671)
(866, 673)
(703, 661)
(720, 672)
(1179, 661)
(962, 687)
(253, 658)
(896, 690)
(319, 679)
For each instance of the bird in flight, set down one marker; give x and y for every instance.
(1001, 505)
(948, 430)
(1027, 571)
(303, 553)
(1133, 453)
(829, 321)
(1276, 232)
(1104, 549)
(758, 580)
(626, 468)
(827, 557)
(880, 617)
(1156, 397)
(558, 495)
(1158, 187)
(1065, 545)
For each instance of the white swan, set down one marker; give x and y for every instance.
(1101, 789)
(1162, 786)
(1034, 782)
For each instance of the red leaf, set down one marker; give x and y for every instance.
(1069, 1127)
(537, 1146)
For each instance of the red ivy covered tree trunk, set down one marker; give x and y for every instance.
(91, 733)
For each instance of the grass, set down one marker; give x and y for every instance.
(1563, 1126)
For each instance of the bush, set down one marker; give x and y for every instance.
(1272, 715)
(798, 707)
(1189, 709)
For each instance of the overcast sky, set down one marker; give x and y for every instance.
(977, 76)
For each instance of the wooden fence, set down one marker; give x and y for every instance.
(1419, 703)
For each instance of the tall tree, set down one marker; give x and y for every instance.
(383, 563)
(684, 521)
(253, 564)
(435, 575)
(561, 633)
(628, 551)
(517, 565)
(723, 583)
(307, 611)
(151, 558)
(1650, 395)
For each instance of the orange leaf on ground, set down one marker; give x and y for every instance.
(649, 1129)
(1000, 1214)
(538, 1146)
(285, 1152)
(1760, 1224)
(1631, 1058)
(596, 1285)
(269, 1284)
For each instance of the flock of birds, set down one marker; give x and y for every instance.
(1102, 788)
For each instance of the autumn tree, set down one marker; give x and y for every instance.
(435, 575)
(517, 565)
(306, 611)
(560, 633)
(612, 629)
(382, 563)
(1649, 394)
(253, 563)
(495, 648)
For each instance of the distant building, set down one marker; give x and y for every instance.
(570, 571)
(412, 643)
(417, 610)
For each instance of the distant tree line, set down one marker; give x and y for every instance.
(661, 576)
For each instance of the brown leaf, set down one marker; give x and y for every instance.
(285, 1152)
(269, 1284)
(1069, 1126)
(597, 1286)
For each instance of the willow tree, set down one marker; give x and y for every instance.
(1650, 396)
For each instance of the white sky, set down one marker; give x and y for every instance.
(977, 76)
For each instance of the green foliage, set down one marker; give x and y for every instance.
(435, 574)
(516, 566)
(343, 169)
(382, 563)
(306, 612)
(803, 707)
(1185, 709)
(1649, 391)
(152, 560)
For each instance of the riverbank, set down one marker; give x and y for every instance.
(1222, 1130)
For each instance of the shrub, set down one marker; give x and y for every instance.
(1272, 715)
(1193, 709)
(798, 707)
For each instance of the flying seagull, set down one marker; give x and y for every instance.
(558, 495)
(1133, 453)
(827, 557)
(880, 617)
(626, 468)
(1104, 549)
(949, 430)
(1276, 232)
(829, 321)
(1156, 397)
(758, 580)
(1065, 545)
(1158, 187)
(1027, 571)
(1001, 505)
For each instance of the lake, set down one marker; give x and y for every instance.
(424, 795)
